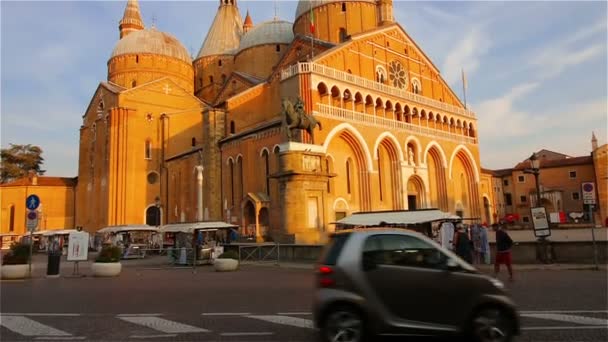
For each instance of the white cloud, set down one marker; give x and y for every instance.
(466, 54)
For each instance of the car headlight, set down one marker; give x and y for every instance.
(497, 283)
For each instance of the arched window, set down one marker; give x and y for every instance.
(133, 84)
(278, 48)
(416, 87)
(193, 141)
(343, 35)
(232, 128)
(137, 59)
(266, 171)
(348, 175)
(344, 7)
(219, 62)
(153, 216)
(210, 79)
(380, 175)
(380, 74)
(11, 218)
(231, 182)
(148, 150)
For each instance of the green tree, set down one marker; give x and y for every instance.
(19, 160)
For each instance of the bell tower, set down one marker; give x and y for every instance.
(385, 12)
(131, 20)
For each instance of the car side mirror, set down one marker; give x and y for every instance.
(452, 265)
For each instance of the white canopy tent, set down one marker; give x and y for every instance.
(395, 218)
(191, 227)
(127, 228)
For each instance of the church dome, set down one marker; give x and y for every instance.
(151, 41)
(269, 32)
(304, 6)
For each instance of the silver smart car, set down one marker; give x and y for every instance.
(397, 282)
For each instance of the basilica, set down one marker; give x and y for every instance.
(281, 126)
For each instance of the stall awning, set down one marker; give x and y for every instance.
(192, 226)
(258, 197)
(380, 218)
(57, 232)
(127, 228)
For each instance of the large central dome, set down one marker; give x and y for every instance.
(151, 41)
(305, 5)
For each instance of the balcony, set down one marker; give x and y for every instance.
(318, 69)
(341, 114)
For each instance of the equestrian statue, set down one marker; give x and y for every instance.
(294, 116)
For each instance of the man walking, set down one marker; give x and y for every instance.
(503, 251)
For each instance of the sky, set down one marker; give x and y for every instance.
(536, 71)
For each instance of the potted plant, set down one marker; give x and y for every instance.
(107, 263)
(227, 261)
(15, 263)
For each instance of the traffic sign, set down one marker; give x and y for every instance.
(32, 220)
(588, 193)
(32, 202)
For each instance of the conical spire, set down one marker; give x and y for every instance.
(248, 23)
(131, 20)
(225, 32)
(593, 142)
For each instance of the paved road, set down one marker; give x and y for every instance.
(561, 235)
(253, 304)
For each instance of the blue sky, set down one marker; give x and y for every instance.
(536, 71)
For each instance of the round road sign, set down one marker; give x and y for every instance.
(32, 215)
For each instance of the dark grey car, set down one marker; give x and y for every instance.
(398, 282)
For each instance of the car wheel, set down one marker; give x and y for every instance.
(492, 325)
(342, 324)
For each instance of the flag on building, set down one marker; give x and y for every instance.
(464, 80)
(312, 21)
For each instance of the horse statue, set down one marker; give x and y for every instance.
(294, 116)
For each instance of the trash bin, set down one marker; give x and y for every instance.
(52, 268)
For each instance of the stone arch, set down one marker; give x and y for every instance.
(358, 138)
(340, 200)
(389, 156)
(336, 96)
(153, 215)
(229, 160)
(398, 112)
(369, 103)
(471, 130)
(467, 181)
(264, 149)
(322, 89)
(436, 168)
(415, 193)
(249, 218)
(390, 136)
(469, 156)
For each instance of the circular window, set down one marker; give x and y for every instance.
(152, 177)
(397, 75)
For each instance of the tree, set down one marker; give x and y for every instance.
(19, 160)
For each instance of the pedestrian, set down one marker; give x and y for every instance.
(462, 244)
(503, 251)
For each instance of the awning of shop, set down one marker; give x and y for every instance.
(127, 228)
(191, 227)
(401, 217)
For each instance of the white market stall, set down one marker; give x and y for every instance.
(133, 239)
(199, 241)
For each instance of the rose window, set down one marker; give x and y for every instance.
(397, 74)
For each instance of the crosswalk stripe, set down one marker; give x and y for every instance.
(162, 325)
(569, 318)
(285, 320)
(28, 327)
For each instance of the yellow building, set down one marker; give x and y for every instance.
(56, 210)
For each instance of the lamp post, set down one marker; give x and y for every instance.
(535, 170)
(157, 204)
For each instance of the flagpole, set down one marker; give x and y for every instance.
(464, 89)
(312, 34)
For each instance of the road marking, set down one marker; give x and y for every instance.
(294, 313)
(565, 311)
(579, 327)
(139, 315)
(162, 325)
(153, 336)
(226, 314)
(285, 320)
(60, 338)
(27, 327)
(569, 318)
(42, 314)
(247, 334)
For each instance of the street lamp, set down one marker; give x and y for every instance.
(157, 204)
(534, 169)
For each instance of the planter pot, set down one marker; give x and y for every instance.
(15, 271)
(225, 265)
(106, 269)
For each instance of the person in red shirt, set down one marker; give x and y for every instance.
(503, 251)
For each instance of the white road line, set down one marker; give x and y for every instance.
(162, 325)
(247, 334)
(580, 327)
(139, 315)
(226, 314)
(27, 327)
(60, 338)
(153, 336)
(42, 314)
(294, 313)
(564, 311)
(285, 320)
(569, 318)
